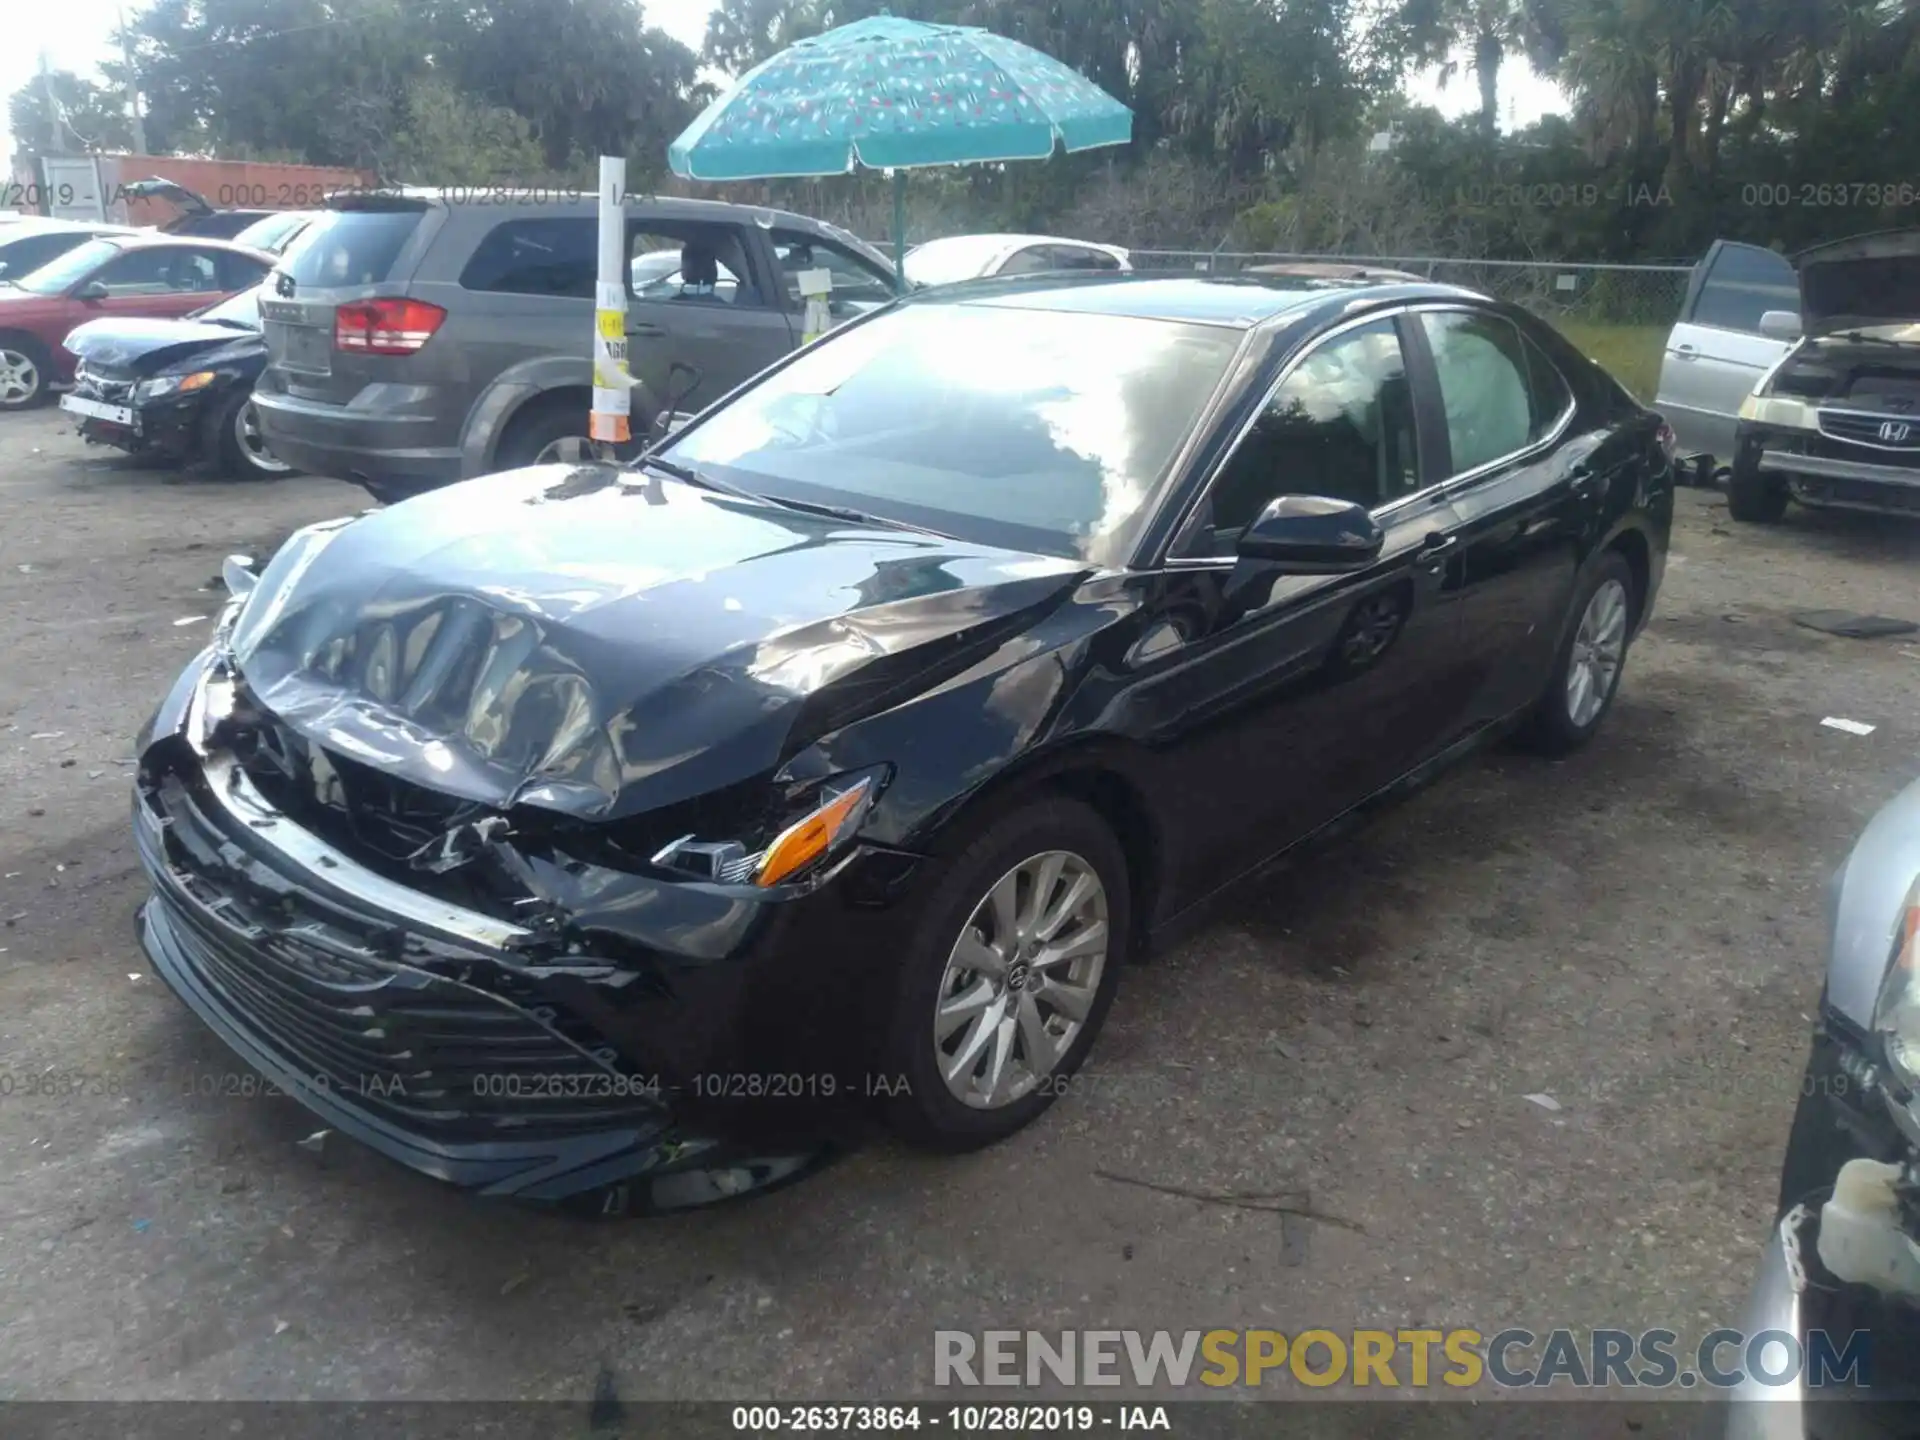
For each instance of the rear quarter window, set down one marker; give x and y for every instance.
(351, 247)
(536, 257)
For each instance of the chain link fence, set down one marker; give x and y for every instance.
(1617, 314)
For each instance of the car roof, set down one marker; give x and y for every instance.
(47, 225)
(1009, 239)
(145, 240)
(560, 198)
(1237, 301)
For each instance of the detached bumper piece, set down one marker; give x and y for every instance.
(408, 1025)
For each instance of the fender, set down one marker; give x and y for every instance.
(518, 385)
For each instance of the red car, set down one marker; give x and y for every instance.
(143, 274)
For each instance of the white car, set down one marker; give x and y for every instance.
(974, 257)
(1718, 351)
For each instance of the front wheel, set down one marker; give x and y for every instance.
(234, 443)
(1586, 674)
(1009, 975)
(26, 374)
(1754, 496)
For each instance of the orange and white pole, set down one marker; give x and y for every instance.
(608, 422)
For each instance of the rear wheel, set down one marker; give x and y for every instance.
(554, 432)
(1009, 975)
(1586, 675)
(26, 374)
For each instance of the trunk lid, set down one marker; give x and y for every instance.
(1861, 282)
(355, 252)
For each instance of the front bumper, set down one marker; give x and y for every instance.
(692, 1059)
(1820, 470)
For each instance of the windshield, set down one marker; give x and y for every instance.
(242, 309)
(61, 274)
(942, 262)
(273, 232)
(1038, 430)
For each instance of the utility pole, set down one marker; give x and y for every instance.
(54, 125)
(133, 87)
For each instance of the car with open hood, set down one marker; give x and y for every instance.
(621, 835)
(141, 274)
(177, 389)
(1836, 421)
(198, 216)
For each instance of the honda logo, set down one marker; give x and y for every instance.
(1895, 432)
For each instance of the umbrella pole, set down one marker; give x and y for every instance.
(900, 230)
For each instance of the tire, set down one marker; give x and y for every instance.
(231, 440)
(543, 432)
(1027, 840)
(1754, 496)
(26, 373)
(1566, 717)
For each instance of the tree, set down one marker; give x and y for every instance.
(84, 116)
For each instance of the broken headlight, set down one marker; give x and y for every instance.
(1896, 1015)
(820, 826)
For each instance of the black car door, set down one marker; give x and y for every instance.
(1278, 709)
(1521, 495)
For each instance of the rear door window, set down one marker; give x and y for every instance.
(536, 257)
(351, 247)
(1742, 284)
(1485, 387)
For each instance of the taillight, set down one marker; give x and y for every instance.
(385, 326)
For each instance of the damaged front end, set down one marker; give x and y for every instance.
(496, 999)
(1842, 1273)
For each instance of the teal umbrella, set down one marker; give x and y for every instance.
(895, 94)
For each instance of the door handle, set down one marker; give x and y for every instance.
(1686, 352)
(1436, 547)
(645, 330)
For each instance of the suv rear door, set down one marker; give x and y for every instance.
(1716, 353)
(361, 251)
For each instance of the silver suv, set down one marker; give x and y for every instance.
(421, 337)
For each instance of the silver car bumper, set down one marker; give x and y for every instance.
(1772, 1412)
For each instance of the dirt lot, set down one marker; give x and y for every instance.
(1635, 932)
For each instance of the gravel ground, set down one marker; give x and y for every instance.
(1635, 932)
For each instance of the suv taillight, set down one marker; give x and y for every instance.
(385, 327)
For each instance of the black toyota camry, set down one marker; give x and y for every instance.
(622, 835)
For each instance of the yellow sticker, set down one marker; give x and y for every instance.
(613, 324)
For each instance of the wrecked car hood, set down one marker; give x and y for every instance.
(600, 642)
(1863, 281)
(120, 343)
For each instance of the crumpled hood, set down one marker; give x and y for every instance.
(601, 642)
(130, 343)
(1864, 280)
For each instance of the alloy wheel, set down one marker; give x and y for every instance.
(253, 447)
(19, 378)
(1021, 980)
(1599, 646)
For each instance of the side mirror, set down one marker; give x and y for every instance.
(1780, 325)
(1312, 535)
(237, 574)
(92, 290)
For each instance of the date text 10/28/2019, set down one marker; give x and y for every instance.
(951, 1419)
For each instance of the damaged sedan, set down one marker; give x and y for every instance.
(630, 836)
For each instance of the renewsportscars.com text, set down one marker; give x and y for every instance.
(1401, 1359)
